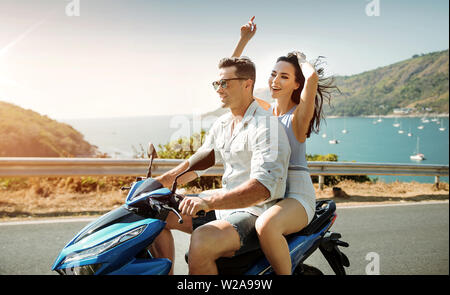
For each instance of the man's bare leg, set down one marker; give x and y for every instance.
(164, 246)
(215, 239)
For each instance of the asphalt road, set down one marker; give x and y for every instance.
(403, 239)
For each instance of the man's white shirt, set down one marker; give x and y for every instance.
(257, 149)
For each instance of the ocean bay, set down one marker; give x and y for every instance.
(368, 140)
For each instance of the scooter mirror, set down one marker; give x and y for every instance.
(151, 153)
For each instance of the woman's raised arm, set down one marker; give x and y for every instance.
(247, 32)
(305, 109)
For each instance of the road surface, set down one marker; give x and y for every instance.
(404, 239)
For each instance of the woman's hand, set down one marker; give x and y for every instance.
(248, 30)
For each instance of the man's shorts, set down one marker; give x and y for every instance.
(242, 221)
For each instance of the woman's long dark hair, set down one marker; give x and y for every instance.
(325, 88)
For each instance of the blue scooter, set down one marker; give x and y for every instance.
(117, 242)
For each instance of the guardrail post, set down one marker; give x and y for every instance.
(436, 182)
(321, 181)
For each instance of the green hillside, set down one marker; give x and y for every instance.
(418, 83)
(25, 133)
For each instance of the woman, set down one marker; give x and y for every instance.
(299, 91)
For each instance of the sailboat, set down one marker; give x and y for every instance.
(396, 123)
(334, 140)
(417, 156)
(401, 130)
(379, 119)
(442, 128)
(409, 133)
(425, 120)
(420, 127)
(345, 125)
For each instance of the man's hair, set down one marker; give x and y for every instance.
(245, 68)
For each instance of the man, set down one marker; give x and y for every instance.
(255, 154)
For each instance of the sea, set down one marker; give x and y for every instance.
(359, 139)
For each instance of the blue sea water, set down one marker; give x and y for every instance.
(366, 140)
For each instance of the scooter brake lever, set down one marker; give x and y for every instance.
(180, 219)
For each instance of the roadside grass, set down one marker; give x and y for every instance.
(81, 196)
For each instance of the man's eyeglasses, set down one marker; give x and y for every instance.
(223, 82)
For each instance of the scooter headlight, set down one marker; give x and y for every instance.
(97, 250)
(80, 270)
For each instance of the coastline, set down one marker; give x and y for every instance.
(394, 116)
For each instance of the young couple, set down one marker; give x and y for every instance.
(264, 198)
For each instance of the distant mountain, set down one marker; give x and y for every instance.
(25, 133)
(418, 83)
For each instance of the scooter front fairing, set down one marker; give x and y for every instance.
(111, 244)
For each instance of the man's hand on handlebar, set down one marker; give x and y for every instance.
(192, 206)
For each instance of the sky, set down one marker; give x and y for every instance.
(121, 58)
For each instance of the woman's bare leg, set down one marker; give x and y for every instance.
(283, 218)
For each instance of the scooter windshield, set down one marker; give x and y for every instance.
(148, 185)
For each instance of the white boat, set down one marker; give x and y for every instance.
(400, 131)
(379, 119)
(434, 120)
(442, 128)
(409, 133)
(396, 123)
(333, 141)
(345, 126)
(324, 135)
(425, 120)
(417, 156)
(420, 127)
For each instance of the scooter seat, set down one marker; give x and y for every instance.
(239, 264)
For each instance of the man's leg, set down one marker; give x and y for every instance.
(163, 246)
(221, 238)
(209, 242)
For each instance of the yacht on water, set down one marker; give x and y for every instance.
(417, 156)
(396, 123)
(400, 131)
(442, 128)
(345, 126)
(409, 133)
(333, 141)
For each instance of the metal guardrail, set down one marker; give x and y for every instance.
(27, 167)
